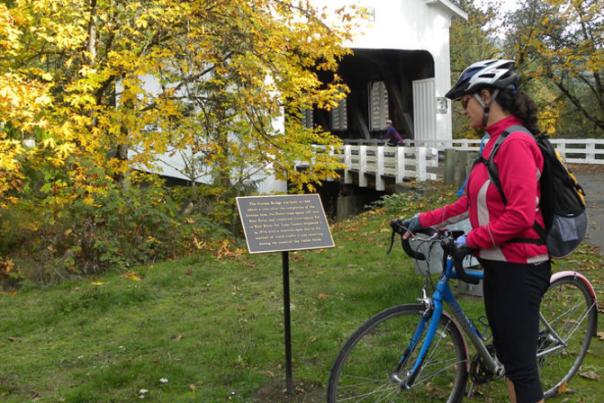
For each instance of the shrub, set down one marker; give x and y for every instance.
(90, 232)
(416, 199)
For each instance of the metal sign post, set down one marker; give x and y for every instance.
(289, 379)
(282, 224)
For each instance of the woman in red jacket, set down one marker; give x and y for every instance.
(515, 260)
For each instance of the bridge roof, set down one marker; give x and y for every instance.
(449, 6)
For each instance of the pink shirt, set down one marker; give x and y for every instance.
(519, 162)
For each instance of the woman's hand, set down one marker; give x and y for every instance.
(461, 241)
(412, 225)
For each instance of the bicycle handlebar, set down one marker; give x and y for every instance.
(447, 241)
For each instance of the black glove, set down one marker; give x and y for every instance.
(460, 252)
(403, 225)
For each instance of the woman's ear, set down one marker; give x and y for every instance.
(486, 96)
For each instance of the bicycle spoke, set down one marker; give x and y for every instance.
(567, 323)
(366, 395)
(374, 348)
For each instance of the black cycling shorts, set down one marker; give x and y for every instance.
(512, 295)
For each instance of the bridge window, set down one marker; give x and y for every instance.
(339, 116)
(378, 105)
(307, 118)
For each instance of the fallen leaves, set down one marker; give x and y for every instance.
(564, 388)
(589, 375)
(226, 250)
(131, 276)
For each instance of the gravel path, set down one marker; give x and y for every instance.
(592, 179)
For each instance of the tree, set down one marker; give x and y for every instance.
(23, 98)
(561, 43)
(471, 42)
(226, 70)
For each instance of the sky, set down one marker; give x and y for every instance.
(506, 5)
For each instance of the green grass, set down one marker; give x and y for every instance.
(214, 327)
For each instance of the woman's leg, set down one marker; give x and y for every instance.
(512, 296)
(511, 390)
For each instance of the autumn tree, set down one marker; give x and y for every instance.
(100, 88)
(471, 41)
(561, 43)
(23, 99)
(225, 69)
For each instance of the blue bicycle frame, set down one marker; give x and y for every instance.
(432, 316)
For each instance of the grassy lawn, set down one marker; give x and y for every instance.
(208, 329)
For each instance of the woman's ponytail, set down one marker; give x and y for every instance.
(519, 104)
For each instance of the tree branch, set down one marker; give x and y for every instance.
(578, 105)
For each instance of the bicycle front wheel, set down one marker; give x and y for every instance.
(568, 322)
(364, 368)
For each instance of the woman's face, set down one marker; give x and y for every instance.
(472, 110)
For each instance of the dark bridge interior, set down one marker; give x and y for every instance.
(393, 71)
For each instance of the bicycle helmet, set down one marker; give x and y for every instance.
(485, 73)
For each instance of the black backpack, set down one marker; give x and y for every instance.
(562, 200)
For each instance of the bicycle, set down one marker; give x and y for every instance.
(418, 352)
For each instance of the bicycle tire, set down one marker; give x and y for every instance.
(373, 351)
(570, 309)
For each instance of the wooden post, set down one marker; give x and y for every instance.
(590, 153)
(362, 166)
(459, 171)
(348, 163)
(449, 165)
(562, 149)
(379, 174)
(400, 165)
(420, 164)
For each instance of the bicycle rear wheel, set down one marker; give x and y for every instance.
(568, 322)
(371, 355)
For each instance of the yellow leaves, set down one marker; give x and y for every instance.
(132, 276)
(226, 250)
(549, 116)
(6, 267)
(88, 200)
(199, 245)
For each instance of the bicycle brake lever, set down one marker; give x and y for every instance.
(391, 241)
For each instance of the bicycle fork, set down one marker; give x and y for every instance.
(431, 317)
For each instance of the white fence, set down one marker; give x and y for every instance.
(575, 151)
(371, 158)
(384, 162)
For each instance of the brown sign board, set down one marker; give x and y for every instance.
(284, 223)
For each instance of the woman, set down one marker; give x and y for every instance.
(503, 237)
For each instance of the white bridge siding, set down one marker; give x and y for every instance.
(424, 110)
(384, 162)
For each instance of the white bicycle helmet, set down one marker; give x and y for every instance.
(485, 73)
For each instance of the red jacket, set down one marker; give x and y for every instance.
(519, 162)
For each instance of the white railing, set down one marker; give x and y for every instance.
(384, 162)
(575, 151)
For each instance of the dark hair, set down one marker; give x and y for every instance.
(519, 104)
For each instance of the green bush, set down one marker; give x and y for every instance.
(114, 228)
(419, 198)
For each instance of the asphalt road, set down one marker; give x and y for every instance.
(592, 180)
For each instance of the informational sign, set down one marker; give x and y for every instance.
(284, 223)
